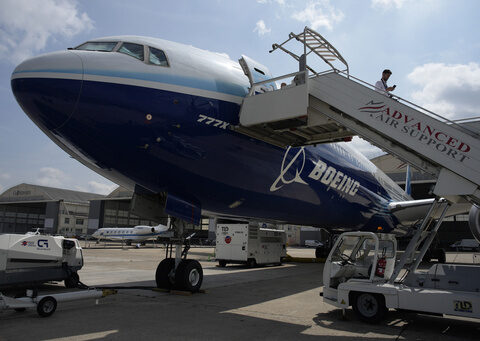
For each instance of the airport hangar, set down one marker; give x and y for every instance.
(26, 207)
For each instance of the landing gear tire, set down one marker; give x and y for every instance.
(162, 275)
(46, 306)
(369, 307)
(189, 275)
(222, 263)
(72, 281)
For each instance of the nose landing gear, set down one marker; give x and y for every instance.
(179, 273)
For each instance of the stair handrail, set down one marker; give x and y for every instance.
(324, 44)
(293, 74)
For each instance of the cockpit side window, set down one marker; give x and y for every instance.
(157, 57)
(97, 46)
(134, 50)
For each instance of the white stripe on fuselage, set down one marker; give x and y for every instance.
(134, 82)
(59, 75)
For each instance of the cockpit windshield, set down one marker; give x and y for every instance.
(97, 46)
(146, 54)
(157, 57)
(134, 50)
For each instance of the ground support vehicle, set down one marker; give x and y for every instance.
(361, 271)
(313, 243)
(27, 260)
(249, 244)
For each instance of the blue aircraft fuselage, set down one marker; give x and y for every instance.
(168, 129)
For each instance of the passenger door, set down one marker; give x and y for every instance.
(257, 72)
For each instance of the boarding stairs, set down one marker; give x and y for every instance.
(333, 106)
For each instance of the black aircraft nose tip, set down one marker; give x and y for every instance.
(48, 87)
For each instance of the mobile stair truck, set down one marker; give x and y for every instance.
(361, 271)
(249, 244)
(331, 106)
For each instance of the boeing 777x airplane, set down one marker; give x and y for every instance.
(157, 116)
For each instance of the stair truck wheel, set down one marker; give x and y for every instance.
(369, 307)
(189, 275)
(72, 281)
(162, 274)
(222, 263)
(251, 263)
(46, 306)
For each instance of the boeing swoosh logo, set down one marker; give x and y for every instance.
(280, 181)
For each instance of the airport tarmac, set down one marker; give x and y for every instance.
(264, 303)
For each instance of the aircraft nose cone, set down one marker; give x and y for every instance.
(48, 87)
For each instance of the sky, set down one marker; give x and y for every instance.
(431, 46)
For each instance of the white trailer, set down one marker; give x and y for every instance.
(249, 244)
(47, 304)
(361, 271)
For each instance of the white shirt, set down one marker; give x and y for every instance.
(381, 86)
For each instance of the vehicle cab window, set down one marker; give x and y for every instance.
(131, 49)
(157, 57)
(345, 248)
(97, 46)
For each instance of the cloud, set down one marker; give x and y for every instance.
(51, 177)
(280, 2)
(319, 14)
(261, 28)
(388, 4)
(101, 188)
(448, 90)
(26, 26)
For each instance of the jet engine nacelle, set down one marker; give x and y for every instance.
(474, 221)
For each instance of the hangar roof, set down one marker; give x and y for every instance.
(34, 193)
(120, 193)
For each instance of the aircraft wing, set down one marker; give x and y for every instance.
(411, 211)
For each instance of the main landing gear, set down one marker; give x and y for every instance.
(179, 273)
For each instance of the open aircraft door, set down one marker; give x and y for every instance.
(257, 72)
